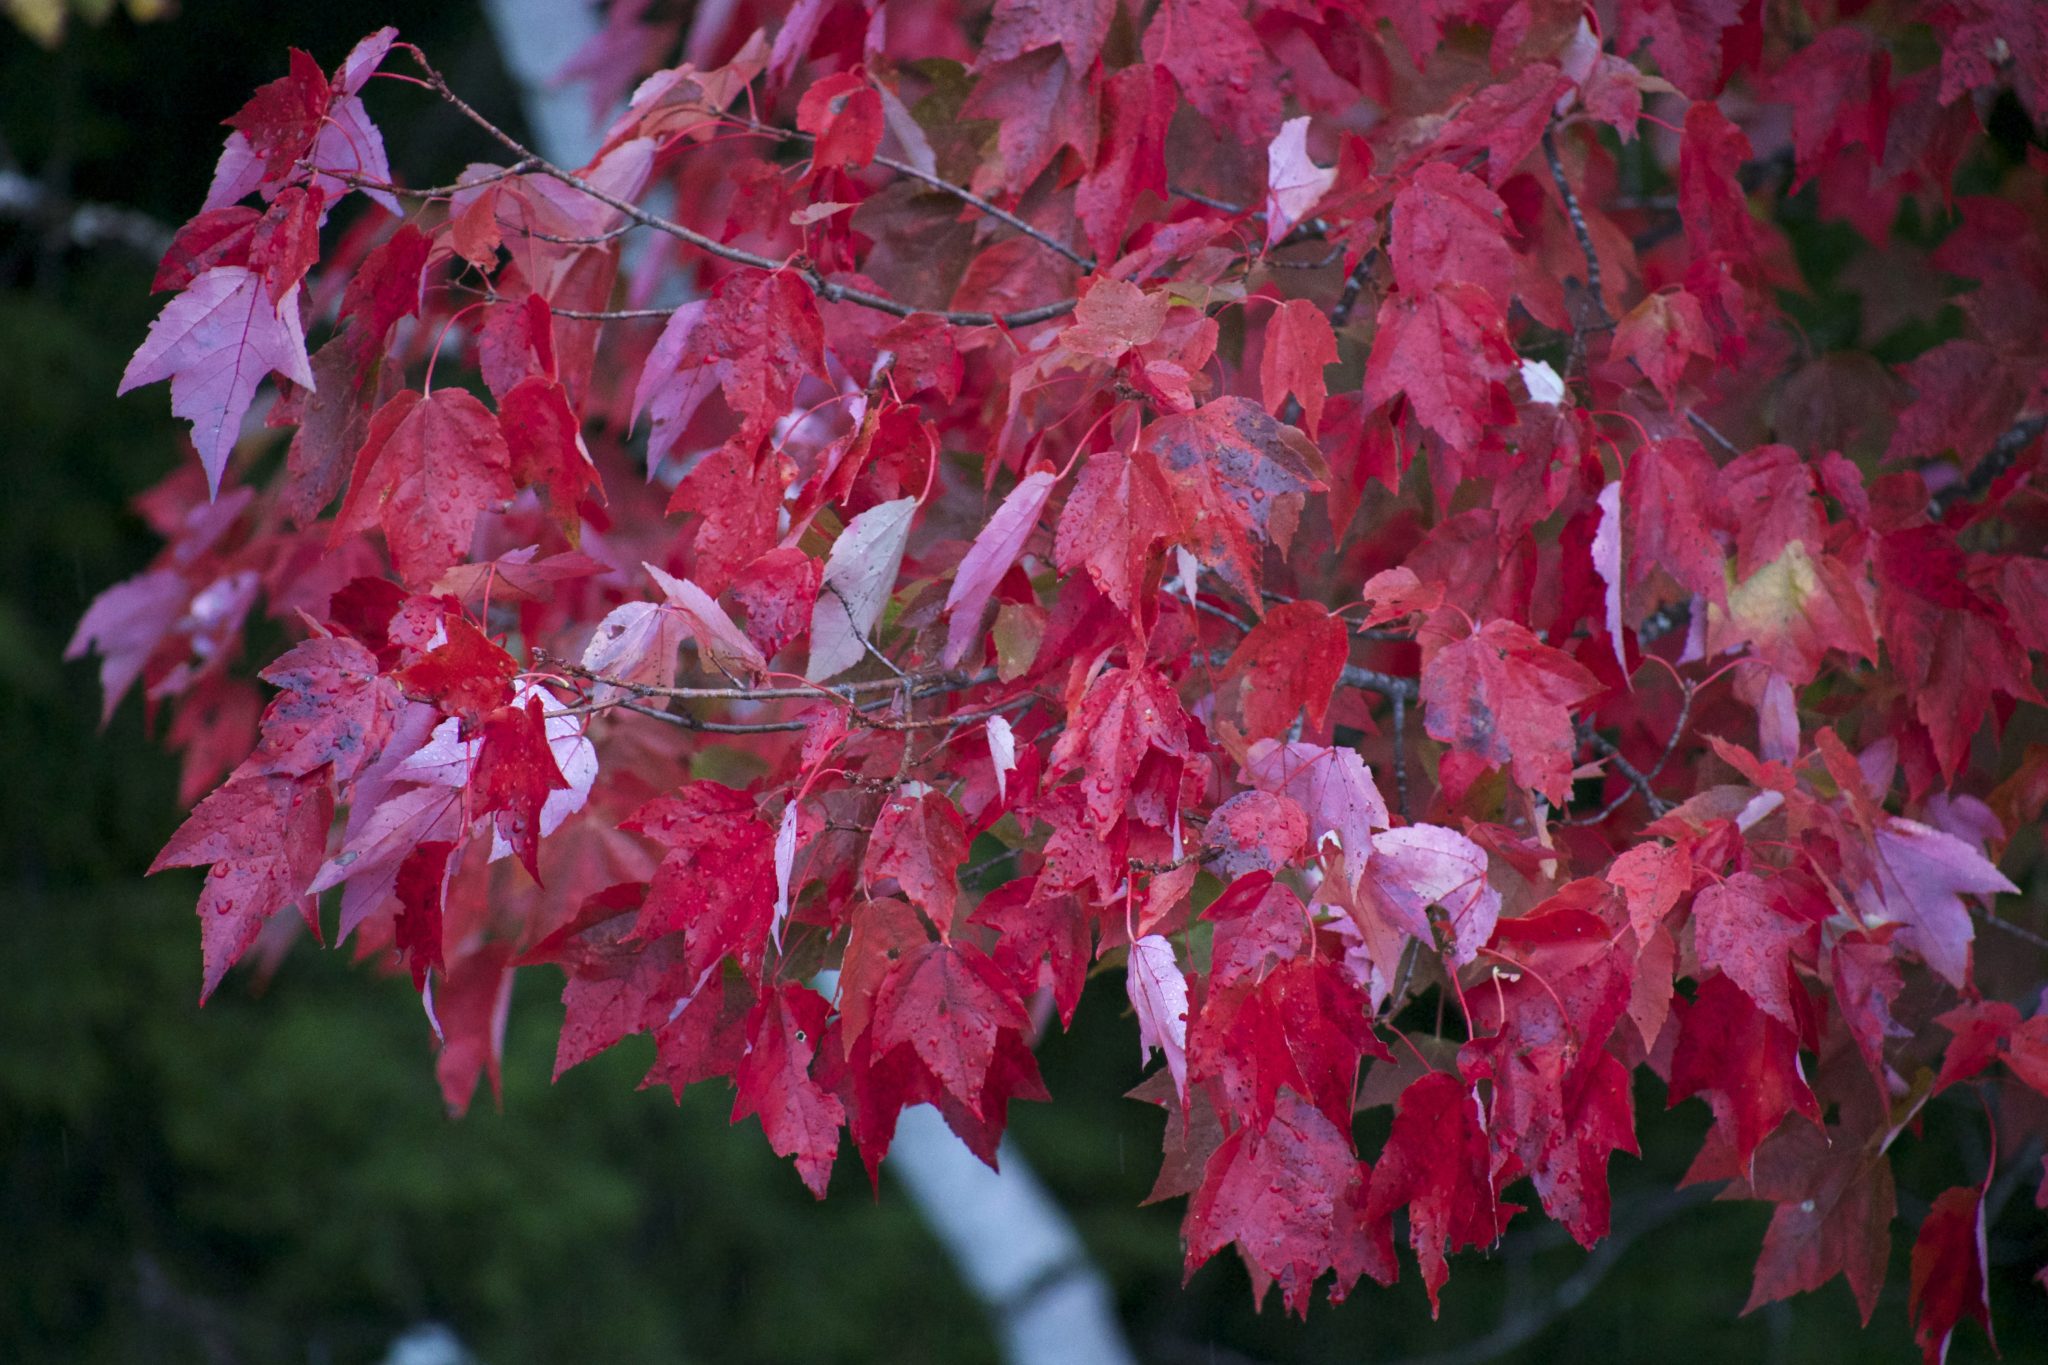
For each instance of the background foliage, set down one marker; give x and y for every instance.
(276, 1180)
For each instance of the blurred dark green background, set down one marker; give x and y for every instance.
(273, 1179)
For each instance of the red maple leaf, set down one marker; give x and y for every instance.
(1437, 1162)
(1745, 1063)
(1506, 697)
(429, 467)
(800, 1117)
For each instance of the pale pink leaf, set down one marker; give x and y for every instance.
(989, 558)
(1607, 563)
(1002, 752)
(785, 864)
(671, 394)
(215, 342)
(721, 643)
(1777, 721)
(859, 575)
(635, 643)
(1334, 789)
(1916, 876)
(1159, 993)
(1423, 865)
(1294, 184)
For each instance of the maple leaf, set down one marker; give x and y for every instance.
(1038, 929)
(215, 342)
(1449, 229)
(1220, 64)
(1950, 1281)
(1741, 932)
(544, 445)
(1953, 646)
(465, 675)
(716, 882)
(859, 574)
(1299, 344)
(1660, 334)
(1290, 1194)
(615, 985)
(1835, 1199)
(636, 643)
(1507, 118)
(1294, 184)
(468, 1011)
(265, 837)
(947, 1002)
(1021, 26)
(1044, 107)
(1916, 876)
(1238, 479)
(336, 708)
(126, 624)
(994, 550)
(421, 888)
(1445, 351)
(1159, 994)
(281, 118)
(1745, 1062)
(514, 773)
(1117, 511)
(773, 1080)
(720, 643)
(1506, 697)
(1666, 496)
(1255, 832)
(1436, 1162)
(429, 468)
(919, 840)
(779, 591)
(1685, 37)
(845, 115)
(1137, 102)
(1114, 317)
(1334, 789)
(1126, 714)
(1419, 866)
(1287, 663)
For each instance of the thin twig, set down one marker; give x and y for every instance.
(715, 727)
(2024, 935)
(364, 182)
(829, 290)
(944, 186)
(1579, 229)
(1400, 701)
(1384, 683)
(1708, 429)
(1354, 285)
(1996, 461)
(610, 314)
(1637, 778)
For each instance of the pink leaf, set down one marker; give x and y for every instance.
(215, 342)
(989, 558)
(1159, 993)
(1294, 184)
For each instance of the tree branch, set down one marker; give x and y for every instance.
(1577, 216)
(828, 290)
(1995, 462)
(1387, 684)
(939, 183)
